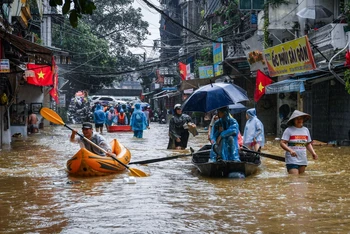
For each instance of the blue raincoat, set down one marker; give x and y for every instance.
(99, 115)
(254, 129)
(138, 121)
(228, 147)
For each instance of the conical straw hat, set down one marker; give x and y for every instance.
(296, 114)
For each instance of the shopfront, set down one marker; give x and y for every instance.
(17, 96)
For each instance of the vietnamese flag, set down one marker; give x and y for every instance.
(53, 92)
(261, 81)
(42, 75)
(183, 70)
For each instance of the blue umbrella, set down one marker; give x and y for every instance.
(214, 96)
(237, 108)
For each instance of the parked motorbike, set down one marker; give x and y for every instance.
(155, 118)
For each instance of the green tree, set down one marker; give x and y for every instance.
(99, 44)
(119, 23)
(90, 58)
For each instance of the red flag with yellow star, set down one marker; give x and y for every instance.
(261, 81)
(183, 70)
(42, 75)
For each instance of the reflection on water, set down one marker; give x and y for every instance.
(37, 196)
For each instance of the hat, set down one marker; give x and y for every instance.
(87, 125)
(223, 109)
(177, 106)
(297, 114)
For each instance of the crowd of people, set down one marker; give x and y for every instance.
(105, 116)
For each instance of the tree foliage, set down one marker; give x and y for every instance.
(75, 10)
(119, 23)
(91, 57)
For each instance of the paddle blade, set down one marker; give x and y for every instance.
(137, 173)
(51, 116)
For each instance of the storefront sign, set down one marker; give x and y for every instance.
(206, 72)
(4, 66)
(290, 57)
(218, 57)
(253, 49)
(62, 100)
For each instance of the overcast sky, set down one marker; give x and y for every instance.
(152, 17)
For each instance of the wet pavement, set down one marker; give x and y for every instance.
(37, 195)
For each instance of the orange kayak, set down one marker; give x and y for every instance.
(86, 163)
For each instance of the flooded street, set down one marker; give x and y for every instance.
(37, 195)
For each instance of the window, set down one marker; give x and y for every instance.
(251, 4)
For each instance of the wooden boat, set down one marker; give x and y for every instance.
(248, 165)
(86, 163)
(119, 128)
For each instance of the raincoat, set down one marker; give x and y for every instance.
(177, 130)
(254, 129)
(227, 148)
(138, 121)
(99, 115)
(110, 115)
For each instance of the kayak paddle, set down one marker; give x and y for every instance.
(275, 157)
(167, 158)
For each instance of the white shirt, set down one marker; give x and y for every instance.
(297, 139)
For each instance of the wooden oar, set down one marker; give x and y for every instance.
(53, 117)
(275, 157)
(166, 158)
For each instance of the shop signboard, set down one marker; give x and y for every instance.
(253, 49)
(218, 57)
(206, 72)
(291, 57)
(4, 66)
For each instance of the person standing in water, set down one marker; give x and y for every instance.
(178, 129)
(295, 141)
(254, 136)
(138, 121)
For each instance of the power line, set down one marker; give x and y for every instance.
(175, 22)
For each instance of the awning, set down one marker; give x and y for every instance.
(169, 88)
(44, 54)
(291, 85)
(168, 95)
(286, 86)
(145, 94)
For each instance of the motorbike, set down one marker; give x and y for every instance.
(155, 118)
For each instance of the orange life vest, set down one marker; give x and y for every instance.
(121, 118)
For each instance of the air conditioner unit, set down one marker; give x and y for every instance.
(330, 36)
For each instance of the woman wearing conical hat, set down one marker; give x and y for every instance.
(295, 141)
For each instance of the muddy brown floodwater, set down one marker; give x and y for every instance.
(37, 196)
